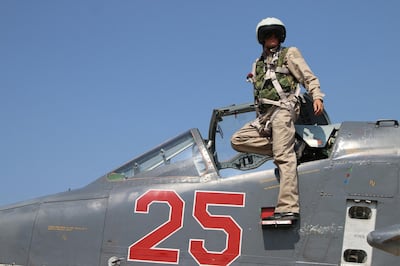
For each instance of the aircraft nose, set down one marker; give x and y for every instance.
(16, 225)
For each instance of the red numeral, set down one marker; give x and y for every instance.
(143, 249)
(214, 222)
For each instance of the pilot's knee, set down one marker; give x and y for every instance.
(236, 147)
(235, 139)
(235, 143)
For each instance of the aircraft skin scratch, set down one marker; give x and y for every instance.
(309, 229)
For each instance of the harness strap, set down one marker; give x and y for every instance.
(275, 82)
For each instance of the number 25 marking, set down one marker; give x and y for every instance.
(145, 248)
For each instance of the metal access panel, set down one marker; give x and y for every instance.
(70, 231)
(360, 220)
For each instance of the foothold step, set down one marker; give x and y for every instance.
(276, 223)
(267, 212)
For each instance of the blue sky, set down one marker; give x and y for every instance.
(87, 85)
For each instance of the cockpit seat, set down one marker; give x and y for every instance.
(316, 136)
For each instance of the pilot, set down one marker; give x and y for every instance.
(276, 76)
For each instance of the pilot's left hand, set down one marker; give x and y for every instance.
(318, 106)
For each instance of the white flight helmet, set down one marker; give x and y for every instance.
(268, 25)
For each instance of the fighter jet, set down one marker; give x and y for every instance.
(195, 201)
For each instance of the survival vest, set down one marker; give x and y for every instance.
(263, 84)
(274, 86)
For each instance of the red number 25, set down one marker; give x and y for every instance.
(145, 248)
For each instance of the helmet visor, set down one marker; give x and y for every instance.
(266, 32)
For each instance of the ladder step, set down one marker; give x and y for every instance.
(276, 222)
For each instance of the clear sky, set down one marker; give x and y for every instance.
(86, 85)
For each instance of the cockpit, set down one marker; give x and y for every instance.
(314, 136)
(184, 155)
